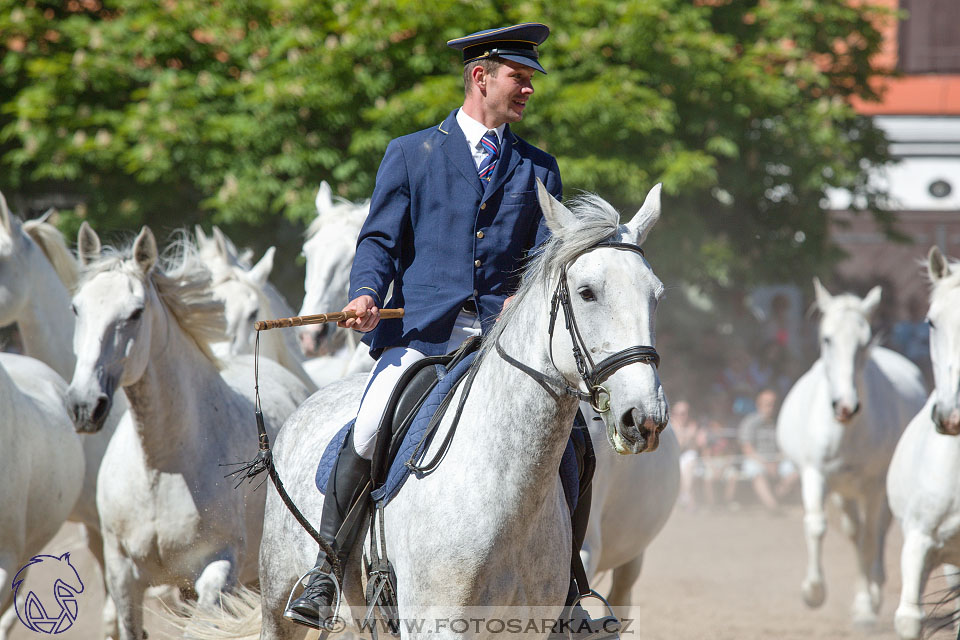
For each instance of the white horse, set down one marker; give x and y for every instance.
(37, 272)
(168, 514)
(499, 533)
(924, 477)
(42, 462)
(248, 296)
(839, 424)
(329, 250)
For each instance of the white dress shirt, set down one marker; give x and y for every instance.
(474, 132)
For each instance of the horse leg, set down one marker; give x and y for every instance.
(815, 526)
(869, 544)
(109, 614)
(7, 565)
(126, 588)
(916, 562)
(215, 578)
(622, 582)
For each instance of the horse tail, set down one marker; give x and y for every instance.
(238, 618)
(946, 608)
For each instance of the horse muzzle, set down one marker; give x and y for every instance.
(946, 423)
(637, 433)
(844, 413)
(89, 417)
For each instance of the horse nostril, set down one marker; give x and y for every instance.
(627, 418)
(101, 408)
(660, 428)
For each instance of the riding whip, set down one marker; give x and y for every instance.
(320, 318)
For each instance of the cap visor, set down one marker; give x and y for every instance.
(529, 62)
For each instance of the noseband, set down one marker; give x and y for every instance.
(593, 374)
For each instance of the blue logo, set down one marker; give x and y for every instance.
(49, 604)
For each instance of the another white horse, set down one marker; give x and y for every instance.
(247, 296)
(329, 250)
(42, 462)
(37, 272)
(490, 526)
(839, 424)
(168, 514)
(924, 477)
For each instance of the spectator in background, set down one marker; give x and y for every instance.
(717, 446)
(911, 336)
(762, 463)
(687, 430)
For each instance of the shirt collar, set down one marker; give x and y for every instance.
(474, 130)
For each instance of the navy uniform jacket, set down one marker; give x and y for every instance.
(441, 239)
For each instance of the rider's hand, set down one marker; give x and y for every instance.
(506, 303)
(368, 315)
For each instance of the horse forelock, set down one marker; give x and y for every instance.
(597, 221)
(183, 285)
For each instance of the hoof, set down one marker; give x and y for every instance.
(814, 594)
(907, 626)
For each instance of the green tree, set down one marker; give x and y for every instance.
(172, 112)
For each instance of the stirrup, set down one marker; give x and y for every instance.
(324, 626)
(607, 627)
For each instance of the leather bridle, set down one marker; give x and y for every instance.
(593, 374)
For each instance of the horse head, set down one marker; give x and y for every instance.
(613, 295)
(845, 339)
(329, 250)
(14, 280)
(244, 301)
(944, 321)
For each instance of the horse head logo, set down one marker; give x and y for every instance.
(49, 602)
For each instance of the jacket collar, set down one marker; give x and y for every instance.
(456, 147)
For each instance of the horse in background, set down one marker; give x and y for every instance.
(42, 462)
(839, 424)
(924, 477)
(168, 514)
(37, 275)
(248, 296)
(329, 249)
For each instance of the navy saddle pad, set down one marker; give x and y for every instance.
(399, 472)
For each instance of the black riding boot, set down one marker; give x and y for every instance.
(348, 478)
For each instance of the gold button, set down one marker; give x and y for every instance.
(480, 235)
(477, 263)
(483, 206)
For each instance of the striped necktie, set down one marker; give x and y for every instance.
(492, 146)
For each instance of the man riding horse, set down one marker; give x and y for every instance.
(453, 214)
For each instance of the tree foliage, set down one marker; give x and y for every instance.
(232, 111)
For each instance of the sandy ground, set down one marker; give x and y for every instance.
(711, 574)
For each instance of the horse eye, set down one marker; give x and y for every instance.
(136, 315)
(586, 294)
(73, 308)
(929, 323)
(826, 340)
(253, 316)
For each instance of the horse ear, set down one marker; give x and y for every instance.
(871, 300)
(202, 239)
(88, 244)
(261, 271)
(324, 199)
(823, 296)
(556, 215)
(641, 223)
(937, 265)
(5, 216)
(145, 250)
(222, 244)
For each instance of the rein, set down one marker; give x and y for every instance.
(592, 374)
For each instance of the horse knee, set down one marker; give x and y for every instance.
(815, 524)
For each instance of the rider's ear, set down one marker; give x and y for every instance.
(641, 223)
(88, 244)
(937, 265)
(556, 215)
(823, 296)
(871, 300)
(145, 249)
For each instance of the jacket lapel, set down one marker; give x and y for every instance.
(509, 159)
(455, 147)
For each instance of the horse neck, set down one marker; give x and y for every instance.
(518, 431)
(167, 402)
(47, 324)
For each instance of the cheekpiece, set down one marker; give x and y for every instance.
(517, 43)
